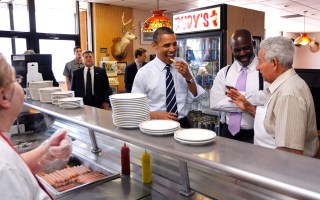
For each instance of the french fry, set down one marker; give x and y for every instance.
(173, 60)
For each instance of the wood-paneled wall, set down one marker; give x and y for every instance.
(107, 26)
(83, 30)
(242, 18)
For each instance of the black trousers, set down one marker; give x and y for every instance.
(184, 123)
(89, 101)
(243, 135)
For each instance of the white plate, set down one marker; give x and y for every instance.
(171, 130)
(159, 124)
(195, 134)
(126, 125)
(130, 108)
(157, 132)
(130, 103)
(123, 96)
(194, 142)
(140, 119)
(69, 106)
(71, 99)
(69, 103)
(68, 93)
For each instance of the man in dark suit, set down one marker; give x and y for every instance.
(91, 83)
(131, 69)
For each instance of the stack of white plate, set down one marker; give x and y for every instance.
(45, 93)
(129, 109)
(71, 102)
(55, 96)
(194, 136)
(34, 86)
(159, 127)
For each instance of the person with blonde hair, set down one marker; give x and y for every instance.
(17, 178)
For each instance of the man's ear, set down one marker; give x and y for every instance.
(154, 46)
(275, 63)
(4, 102)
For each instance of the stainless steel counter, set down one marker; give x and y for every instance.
(285, 173)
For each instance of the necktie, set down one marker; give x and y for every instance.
(171, 101)
(235, 117)
(89, 84)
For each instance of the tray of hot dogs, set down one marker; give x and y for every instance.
(78, 173)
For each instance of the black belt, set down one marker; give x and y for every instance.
(245, 135)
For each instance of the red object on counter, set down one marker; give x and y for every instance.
(125, 160)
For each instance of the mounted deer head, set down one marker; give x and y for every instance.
(120, 47)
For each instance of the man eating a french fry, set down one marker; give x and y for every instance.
(167, 80)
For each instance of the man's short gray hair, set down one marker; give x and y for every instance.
(280, 48)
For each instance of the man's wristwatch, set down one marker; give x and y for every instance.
(190, 81)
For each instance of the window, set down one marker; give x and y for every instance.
(4, 16)
(5, 48)
(61, 51)
(51, 29)
(56, 16)
(20, 15)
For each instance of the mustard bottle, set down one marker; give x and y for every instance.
(146, 168)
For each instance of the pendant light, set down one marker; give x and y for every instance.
(303, 39)
(156, 20)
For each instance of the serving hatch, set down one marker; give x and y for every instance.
(89, 173)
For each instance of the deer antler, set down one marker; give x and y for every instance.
(125, 23)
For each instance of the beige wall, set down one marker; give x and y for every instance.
(107, 26)
(238, 18)
(140, 17)
(304, 58)
(105, 30)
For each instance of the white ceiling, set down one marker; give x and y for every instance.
(274, 10)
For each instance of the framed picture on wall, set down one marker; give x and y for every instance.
(146, 37)
(121, 67)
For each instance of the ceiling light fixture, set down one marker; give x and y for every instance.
(156, 20)
(303, 39)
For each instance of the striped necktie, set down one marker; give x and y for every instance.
(171, 101)
(235, 117)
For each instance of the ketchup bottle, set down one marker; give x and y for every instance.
(125, 160)
(146, 168)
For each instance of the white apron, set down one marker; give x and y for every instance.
(261, 137)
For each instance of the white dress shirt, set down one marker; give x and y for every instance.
(220, 101)
(151, 80)
(139, 65)
(92, 77)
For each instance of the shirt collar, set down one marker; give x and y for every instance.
(281, 79)
(160, 64)
(251, 66)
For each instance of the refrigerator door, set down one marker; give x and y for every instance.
(202, 53)
(203, 57)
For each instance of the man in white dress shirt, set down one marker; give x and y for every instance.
(151, 79)
(242, 46)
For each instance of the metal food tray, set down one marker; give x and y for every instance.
(110, 175)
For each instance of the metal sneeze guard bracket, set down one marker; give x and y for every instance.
(185, 184)
(95, 148)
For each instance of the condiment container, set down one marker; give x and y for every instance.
(125, 160)
(146, 168)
